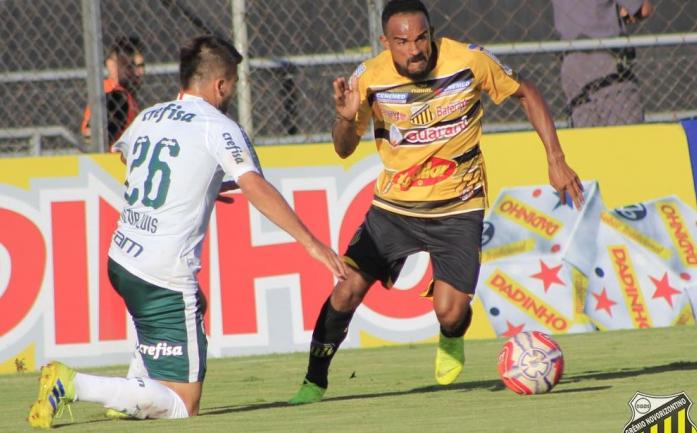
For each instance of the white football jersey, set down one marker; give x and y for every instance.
(177, 154)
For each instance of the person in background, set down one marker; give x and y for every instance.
(125, 67)
(600, 86)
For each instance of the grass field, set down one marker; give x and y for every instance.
(392, 389)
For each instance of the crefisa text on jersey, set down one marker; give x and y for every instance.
(234, 149)
(173, 112)
(139, 221)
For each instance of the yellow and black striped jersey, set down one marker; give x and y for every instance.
(427, 132)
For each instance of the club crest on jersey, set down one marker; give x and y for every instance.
(421, 114)
(428, 173)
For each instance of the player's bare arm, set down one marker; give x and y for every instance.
(346, 101)
(271, 203)
(562, 177)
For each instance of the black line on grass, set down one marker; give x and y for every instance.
(630, 372)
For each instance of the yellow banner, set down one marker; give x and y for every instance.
(636, 235)
(512, 249)
(528, 217)
(527, 302)
(677, 228)
(629, 284)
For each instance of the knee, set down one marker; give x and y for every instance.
(348, 294)
(451, 315)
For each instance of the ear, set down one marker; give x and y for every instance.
(219, 83)
(385, 42)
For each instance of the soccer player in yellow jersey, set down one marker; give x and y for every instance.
(423, 95)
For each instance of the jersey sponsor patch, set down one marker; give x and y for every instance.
(252, 151)
(393, 115)
(392, 97)
(161, 349)
(458, 106)
(430, 172)
(359, 71)
(435, 133)
(170, 111)
(234, 148)
(455, 87)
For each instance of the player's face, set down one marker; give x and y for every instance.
(408, 37)
(120, 68)
(138, 70)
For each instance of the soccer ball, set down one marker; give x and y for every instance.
(530, 363)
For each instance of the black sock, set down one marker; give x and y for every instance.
(460, 329)
(330, 330)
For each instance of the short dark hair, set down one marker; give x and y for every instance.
(204, 54)
(126, 46)
(394, 7)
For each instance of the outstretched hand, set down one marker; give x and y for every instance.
(328, 258)
(565, 180)
(347, 99)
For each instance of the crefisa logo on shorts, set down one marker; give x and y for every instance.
(660, 413)
(160, 349)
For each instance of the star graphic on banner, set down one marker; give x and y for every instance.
(604, 303)
(664, 289)
(512, 329)
(569, 202)
(548, 275)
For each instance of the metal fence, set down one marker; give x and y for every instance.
(294, 49)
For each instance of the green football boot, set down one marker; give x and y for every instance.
(450, 359)
(308, 393)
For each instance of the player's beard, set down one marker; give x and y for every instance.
(225, 104)
(418, 76)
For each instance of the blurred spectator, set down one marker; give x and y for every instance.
(125, 67)
(600, 86)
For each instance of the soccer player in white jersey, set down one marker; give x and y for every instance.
(177, 154)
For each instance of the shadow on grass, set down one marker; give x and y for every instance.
(630, 372)
(490, 385)
(586, 389)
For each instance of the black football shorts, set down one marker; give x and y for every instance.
(382, 243)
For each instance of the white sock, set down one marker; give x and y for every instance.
(138, 397)
(137, 367)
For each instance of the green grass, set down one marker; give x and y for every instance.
(392, 389)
